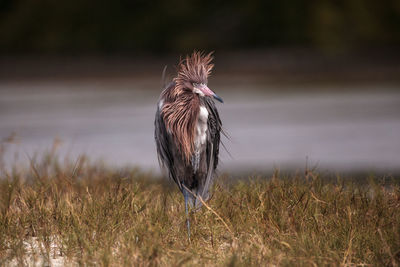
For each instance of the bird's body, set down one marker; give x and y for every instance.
(187, 129)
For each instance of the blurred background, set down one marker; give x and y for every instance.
(302, 81)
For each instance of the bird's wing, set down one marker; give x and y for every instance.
(213, 140)
(163, 143)
(214, 128)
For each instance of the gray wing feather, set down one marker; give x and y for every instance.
(163, 143)
(212, 150)
(214, 126)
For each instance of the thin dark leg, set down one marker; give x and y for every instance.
(186, 196)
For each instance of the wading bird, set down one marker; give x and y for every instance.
(187, 130)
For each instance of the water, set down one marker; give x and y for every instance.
(338, 130)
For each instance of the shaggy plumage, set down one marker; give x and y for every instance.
(178, 124)
(181, 105)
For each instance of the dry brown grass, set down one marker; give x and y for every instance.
(82, 213)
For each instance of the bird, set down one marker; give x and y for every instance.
(188, 129)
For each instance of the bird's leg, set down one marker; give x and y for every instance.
(186, 197)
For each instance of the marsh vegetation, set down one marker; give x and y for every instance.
(77, 212)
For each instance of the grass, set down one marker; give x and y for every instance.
(79, 213)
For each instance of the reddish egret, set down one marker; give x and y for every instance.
(187, 130)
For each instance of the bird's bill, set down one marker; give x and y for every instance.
(208, 92)
(218, 98)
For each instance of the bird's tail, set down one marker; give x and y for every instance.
(195, 199)
(198, 203)
(204, 190)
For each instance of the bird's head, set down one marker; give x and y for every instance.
(193, 72)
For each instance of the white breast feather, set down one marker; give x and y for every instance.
(201, 136)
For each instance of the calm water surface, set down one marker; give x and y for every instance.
(339, 130)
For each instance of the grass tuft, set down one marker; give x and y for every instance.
(75, 213)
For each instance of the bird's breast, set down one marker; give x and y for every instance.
(201, 128)
(200, 137)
